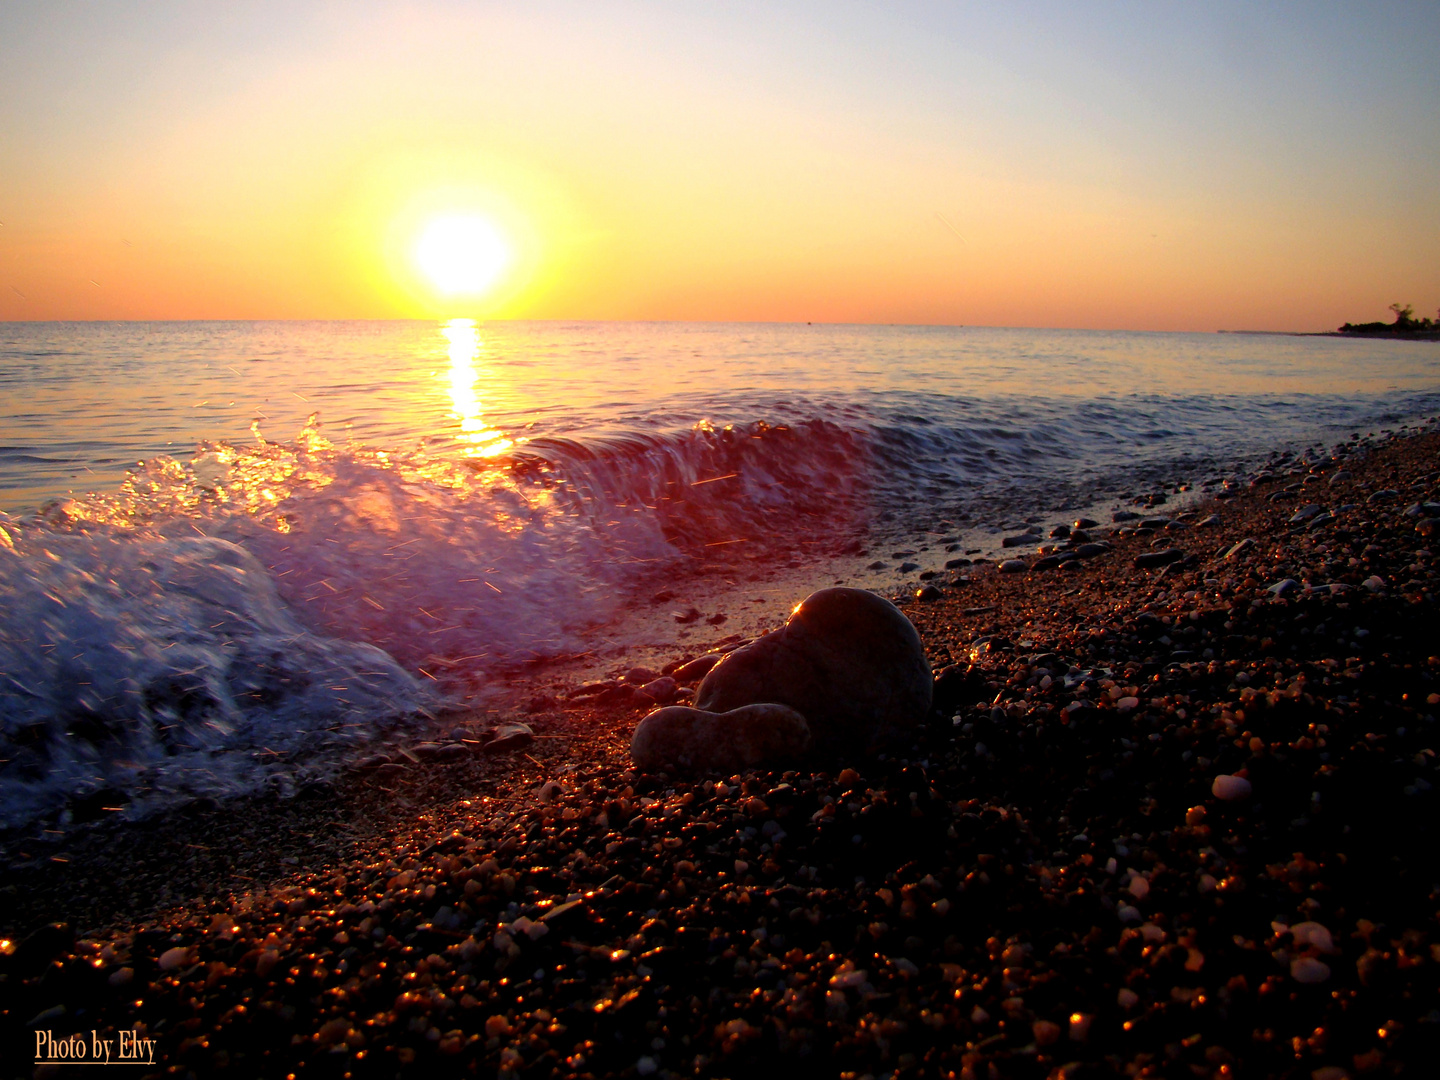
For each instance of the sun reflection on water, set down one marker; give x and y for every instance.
(464, 347)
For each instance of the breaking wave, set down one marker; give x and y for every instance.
(244, 618)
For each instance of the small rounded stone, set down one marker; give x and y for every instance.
(1230, 788)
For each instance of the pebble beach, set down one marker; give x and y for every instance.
(1168, 816)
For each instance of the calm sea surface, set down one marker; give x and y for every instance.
(235, 551)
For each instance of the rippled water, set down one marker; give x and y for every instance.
(236, 551)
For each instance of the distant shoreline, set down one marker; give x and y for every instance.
(1389, 335)
(1383, 335)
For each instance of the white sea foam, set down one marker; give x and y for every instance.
(242, 619)
(139, 670)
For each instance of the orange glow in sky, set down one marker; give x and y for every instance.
(1224, 167)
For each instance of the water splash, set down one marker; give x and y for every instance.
(140, 670)
(241, 619)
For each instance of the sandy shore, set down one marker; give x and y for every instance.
(1042, 883)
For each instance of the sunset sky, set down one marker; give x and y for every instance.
(1142, 165)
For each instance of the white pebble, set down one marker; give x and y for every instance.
(1128, 913)
(171, 959)
(1230, 788)
(1312, 933)
(646, 1066)
(1309, 970)
(1139, 887)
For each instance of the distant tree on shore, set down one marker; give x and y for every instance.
(1405, 316)
(1405, 323)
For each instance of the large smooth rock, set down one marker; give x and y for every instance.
(847, 660)
(743, 738)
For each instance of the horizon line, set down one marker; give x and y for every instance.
(682, 322)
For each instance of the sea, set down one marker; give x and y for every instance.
(236, 555)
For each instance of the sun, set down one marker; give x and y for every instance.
(462, 254)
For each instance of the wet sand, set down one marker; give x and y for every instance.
(1041, 883)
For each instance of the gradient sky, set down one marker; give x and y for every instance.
(1141, 165)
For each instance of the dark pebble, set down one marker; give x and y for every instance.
(1159, 558)
(696, 669)
(514, 736)
(616, 695)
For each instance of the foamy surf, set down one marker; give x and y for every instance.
(241, 620)
(140, 670)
